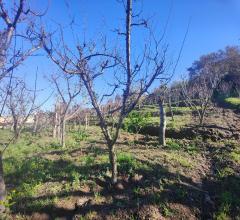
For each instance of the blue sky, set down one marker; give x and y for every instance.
(214, 25)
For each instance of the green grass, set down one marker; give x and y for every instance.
(233, 102)
(173, 145)
(40, 174)
(182, 117)
(128, 164)
(154, 110)
(180, 110)
(179, 121)
(150, 108)
(227, 181)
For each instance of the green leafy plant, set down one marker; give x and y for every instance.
(55, 145)
(226, 171)
(9, 200)
(192, 148)
(235, 156)
(89, 160)
(173, 145)
(222, 214)
(80, 135)
(75, 179)
(167, 212)
(127, 163)
(136, 121)
(137, 191)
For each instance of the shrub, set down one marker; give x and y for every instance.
(80, 135)
(135, 121)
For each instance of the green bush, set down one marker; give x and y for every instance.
(135, 121)
(80, 135)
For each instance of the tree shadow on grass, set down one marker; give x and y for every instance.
(89, 150)
(224, 184)
(40, 170)
(155, 186)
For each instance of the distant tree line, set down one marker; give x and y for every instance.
(217, 73)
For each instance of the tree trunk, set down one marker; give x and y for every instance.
(63, 126)
(170, 108)
(2, 186)
(86, 122)
(113, 161)
(58, 128)
(202, 113)
(16, 131)
(16, 135)
(201, 119)
(162, 127)
(55, 126)
(35, 125)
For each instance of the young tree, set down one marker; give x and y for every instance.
(161, 95)
(199, 92)
(90, 64)
(21, 105)
(40, 121)
(68, 87)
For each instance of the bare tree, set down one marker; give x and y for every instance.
(68, 87)
(41, 121)
(21, 105)
(12, 56)
(90, 63)
(198, 93)
(162, 97)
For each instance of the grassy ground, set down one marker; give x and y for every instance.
(187, 179)
(233, 102)
(154, 109)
